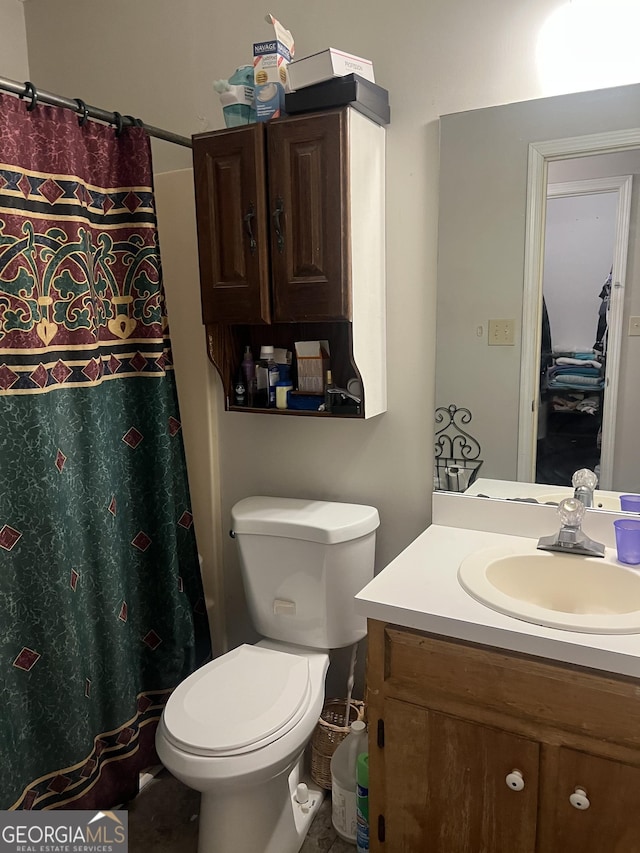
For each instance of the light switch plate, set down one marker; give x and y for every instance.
(501, 333)
(634, 325)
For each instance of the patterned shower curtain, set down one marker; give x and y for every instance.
(101, 603)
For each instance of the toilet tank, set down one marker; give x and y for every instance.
(302, 563)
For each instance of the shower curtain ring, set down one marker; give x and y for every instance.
(31, 92)
(83, 109)
(117, 120)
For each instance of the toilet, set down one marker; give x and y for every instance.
(237, 728)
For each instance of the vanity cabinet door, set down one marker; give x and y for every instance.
(592, 804)
(448, 787)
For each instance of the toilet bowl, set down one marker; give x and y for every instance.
(247, 759)
(236, 729)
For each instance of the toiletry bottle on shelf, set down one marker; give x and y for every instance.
(266, 375)
(328, 402)
(273, 377)
(252, 392)
(249, 372)
(240, 390)
(343, 781)
(248, 366)
(262, 390)
(282, 389)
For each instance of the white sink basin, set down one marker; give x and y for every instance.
(586, 594)
(601, 500)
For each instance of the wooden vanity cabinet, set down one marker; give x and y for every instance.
(290, 217)
(612, 821)
(474, 750)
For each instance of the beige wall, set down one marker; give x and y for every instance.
(157, 59)
(13, 41)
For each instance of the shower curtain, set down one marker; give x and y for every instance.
(101, 603)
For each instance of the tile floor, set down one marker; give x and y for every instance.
(164, 819)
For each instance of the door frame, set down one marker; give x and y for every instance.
(540, 153)
(622, 186)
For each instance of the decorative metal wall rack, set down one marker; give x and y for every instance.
(457, 452)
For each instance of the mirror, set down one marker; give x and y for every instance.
(496, 167)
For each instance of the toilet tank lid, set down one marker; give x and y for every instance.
(326, 522)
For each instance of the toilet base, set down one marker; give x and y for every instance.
(266, 818)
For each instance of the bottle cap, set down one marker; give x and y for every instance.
(266, 351)
(358, 726)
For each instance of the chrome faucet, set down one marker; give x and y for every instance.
(571, 539)
(584, 482)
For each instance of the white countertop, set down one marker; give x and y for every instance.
(420, 589)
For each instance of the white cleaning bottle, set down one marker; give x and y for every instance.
(343, 781)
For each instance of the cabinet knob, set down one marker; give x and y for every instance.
(579, 799)
(515, 780)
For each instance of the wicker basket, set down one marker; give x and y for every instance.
(329, 732)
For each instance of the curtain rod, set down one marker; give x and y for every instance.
(29, 91)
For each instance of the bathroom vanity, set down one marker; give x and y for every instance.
(489, 734)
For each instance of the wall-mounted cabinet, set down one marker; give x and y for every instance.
(291, 243)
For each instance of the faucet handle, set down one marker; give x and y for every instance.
(584, 477)
(571, 539)
(571, 512)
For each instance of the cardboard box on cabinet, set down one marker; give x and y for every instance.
(271, 58)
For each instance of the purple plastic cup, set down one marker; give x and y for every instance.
(630, 503)
(628, 540)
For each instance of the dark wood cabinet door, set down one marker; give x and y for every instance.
(233, 240)
(610, 823)
(445, 785)
(308, 200)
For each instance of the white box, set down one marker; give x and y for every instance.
(312, 362)
(325, 65)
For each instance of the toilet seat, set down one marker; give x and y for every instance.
(239, 702)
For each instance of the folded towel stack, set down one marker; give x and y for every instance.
(575, 370)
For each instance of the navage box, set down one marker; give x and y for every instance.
(270, 60)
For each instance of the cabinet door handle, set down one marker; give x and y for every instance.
(515, 780)
(249, 215)
(277, 225)
(579, 799)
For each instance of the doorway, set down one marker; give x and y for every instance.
(543, 155)
(579, 245)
